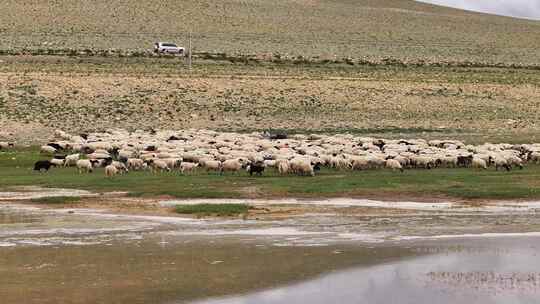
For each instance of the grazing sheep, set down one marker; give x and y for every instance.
(257, 168)
(111, 171)
(212, 165)
(423, 162)
(71, 160)
(359, 163)
(43, 165)
(301, 167)
(47, 150)
(126, 154)
(283, 166)
(535, 157)
(188, 167)
(57, 162)
(479, 163)
(232, 165)
(403, 161)
(299, 154)
(515, 161)
(156, 164)
(172, 162)
(97, 155)
(135, 163)
(464, 161)
(85, 165)
(270, 163)
(121, 167)
(56, 146)
(6, 145)
(62, 135)
(394, 165)
(502, 163)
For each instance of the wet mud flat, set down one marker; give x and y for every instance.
(421, 254)
(52, 257)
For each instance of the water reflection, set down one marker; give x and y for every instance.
(481, 275)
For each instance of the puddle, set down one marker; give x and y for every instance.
(451, 207)
(34, 192)
(475, 277)
(433, 255)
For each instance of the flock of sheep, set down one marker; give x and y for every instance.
(120, 151)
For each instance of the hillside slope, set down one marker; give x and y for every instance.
(344, 28)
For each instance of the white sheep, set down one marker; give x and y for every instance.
(301, 167)
(62, 135)
(135, 163)
(172, 163)
(479, 163)
(188, 167)
(359, 163)
(535, 157)
(6, 145)
(232, 165)
(393, 164)
(514, 161)
(424, 162)
(96, 155)
(270, 163)
(283, 166)
(71, 160)
(57, 162)
(47, 150)
(111, 171)
(120, 166)
(403, 161)
(211, 165)
(84, 165)
(160, 165)
(501, 163)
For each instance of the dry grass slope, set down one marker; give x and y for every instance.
(401, 29)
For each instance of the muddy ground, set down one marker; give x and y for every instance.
(115, 249)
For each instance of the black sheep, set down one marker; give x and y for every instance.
(55, 145)
(257, 168)
(43, 165)
(114, 152)
(171, 138)
(317, 167)
(464, 161)
(150, 148)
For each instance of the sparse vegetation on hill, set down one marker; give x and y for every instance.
(365, 29)
(45, 93)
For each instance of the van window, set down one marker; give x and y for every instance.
(169, 44)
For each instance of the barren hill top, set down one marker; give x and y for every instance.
(344, 28)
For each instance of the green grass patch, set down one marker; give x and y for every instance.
(16, 170)
(213, 209)
(56, 200)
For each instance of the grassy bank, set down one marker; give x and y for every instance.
(213, 209)
(16, 170)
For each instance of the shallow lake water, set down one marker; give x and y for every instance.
(90, 256)
(495, 271)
